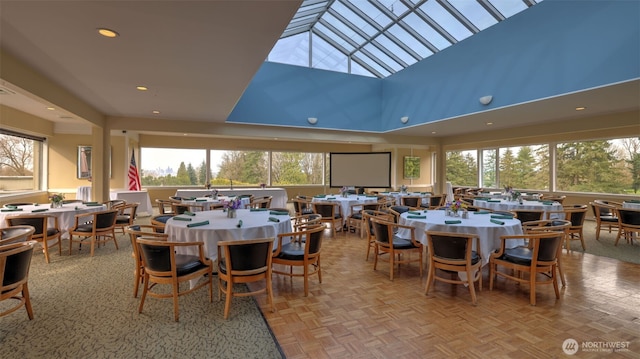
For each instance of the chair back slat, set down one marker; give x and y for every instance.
(449, 247)
(246, 257)
(548, 248)
(106, 219)
(156, 258)
(314, 241)
(37, 222)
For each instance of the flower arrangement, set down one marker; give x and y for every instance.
(457, 205)
(515, 196)
(56, 198)
(344, 191)
(263, 185)
(508, 190)
(233, 204)
(403, 189)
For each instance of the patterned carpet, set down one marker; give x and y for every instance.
(84, 308)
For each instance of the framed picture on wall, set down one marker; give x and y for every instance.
(85, 162)
(411, 167)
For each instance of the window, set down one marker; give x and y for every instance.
(172, 167)
(20, 162)
(525, 167)
(292, 168)
(462, 168)
(242, 167)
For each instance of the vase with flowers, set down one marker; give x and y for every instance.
(56, 200)
(403, 189)
(232, 206)
(455, 207)
(344, 191)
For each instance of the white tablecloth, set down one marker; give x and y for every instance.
(279, 195)
(398, 195)
(66, 214)
(631, 205)
(84, 193)
(210, 203)
(346, 202)
(479, 224)
(141, 197)
(504, 205)
(220, 228)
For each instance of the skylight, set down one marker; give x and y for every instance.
(378, 38)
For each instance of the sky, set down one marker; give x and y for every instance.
(154, 158)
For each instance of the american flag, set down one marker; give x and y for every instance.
(134, 178)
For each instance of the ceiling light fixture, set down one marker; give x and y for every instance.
(404, 119)
(107, 32)
(489, 123)
(51, 108)
(580, 108)
(141, 88)
(156, 112)
(485, 100)
(312, 120)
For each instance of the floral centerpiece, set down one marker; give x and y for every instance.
(516, 196)
(344, 191)
(403, 189)
(263, 185)
(214, 194)
(456, 206)
(231, 207)
(56, 200)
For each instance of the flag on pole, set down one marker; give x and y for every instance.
(134, 178)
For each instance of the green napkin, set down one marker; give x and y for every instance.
(93, 204)
(187, 213)
(273, 219)
(239, 223)
(501, 216)
(547, 202)
(11, 206)
(258, 209)
(481, 199)
(85, 203)
(188, 198)
(279, 213)
(633, 201)
(11, 209)
(371, 196)
(320, 196)
(39, 210)
(493, 200)
(204, 223)
(414, 212)
(201, 200)
(452, 221)
(481, 212)
(497, 221)
(417, 217)
(181, 218)
(330, 198)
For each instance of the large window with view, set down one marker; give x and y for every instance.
(462, 168)
(524, 167)
(20, 162)
(172, 167)
(602, 166)
(296, 168)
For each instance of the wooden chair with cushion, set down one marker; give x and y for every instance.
(396, 211)
(331, 213)
(302, 251)
(164, 206)
(160, 220)
(244, 261)
(606, 216)
(549, 225)
(559, 199)
(453, 253)
(387, 242)
(181, 208)
(540, 261)
(262, 202)
(306, 220)
(302, 205)
(16, 234)
(526, 215)
(411, 201)
(99, 229)
(576, 215)
(355, 220)
(136, 231)
(629, 224)
(46, 235)
(114, 203)
(162, 265)
(126, 215)
(435, 201)
(15, 261)
(368, 228)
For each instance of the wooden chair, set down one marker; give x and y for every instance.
(43, 233)
(435, 201)
(411, 201)
(126, 215)
(453, 253)
(162, 265)
(302, 251)
(306, 220)
(164, 206)
(114, 203)
(606, 216)
(99, 229)
(136, 231)
(526, 215)
(16, 234)
(559, 199)
(629, 224)
(15, 261)
(331, 213)
(368, 229)
(387, 242)
(244, 261)
(576, 215)
(160, 220)
(264, 202)
(540, 258)
(355, 219)
(302, 205)
(550, 225)
(396, 211)
(181, 208)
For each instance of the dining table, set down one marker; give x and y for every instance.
(346, 202)
(66, 213)
(631, 204)
(525, 205)
(487, 226)
(398, 196)
(279, 195)
(209, 203)
(211, 227)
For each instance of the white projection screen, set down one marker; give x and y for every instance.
(360, 169)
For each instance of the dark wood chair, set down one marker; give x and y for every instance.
(629, 224)
(302, 205)
(15, 234)
(606, 216)
(387, 242)
(46, 235)
(368, 228)
(126, 215)
(244, 261)
(331, 213)
(135, 232)
(453, 253)
(539, 260)
(15, 261)
(162, 265)
(411, 201)
(355, 219)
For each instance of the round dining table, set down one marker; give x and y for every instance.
(346, 202)
(209, 203)
(211, 227)
(66, 214)
(526, 205)
(481, 224)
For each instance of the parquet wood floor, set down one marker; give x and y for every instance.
(357, 312)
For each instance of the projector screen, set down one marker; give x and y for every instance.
(360, 169)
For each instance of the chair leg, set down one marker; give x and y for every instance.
(561, 272)
(492, 273)
(137, 277)
(176, 308)
(391, 264)
(227, 301)
(532, 288)
(269, 289)
(145, 288)
(581, 234)
(554, 279)
(93, 244)
(430, 278)
(597, 231)
(472, 289)
(27, 300)
(45, 249)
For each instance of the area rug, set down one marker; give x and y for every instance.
(84, 308)
(606, 247)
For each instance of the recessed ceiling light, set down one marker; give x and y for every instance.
(142, 88)
(489, 123)
(156, 112)
(51, 108)
(107, 32)
(580, 108)
(433, 132)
